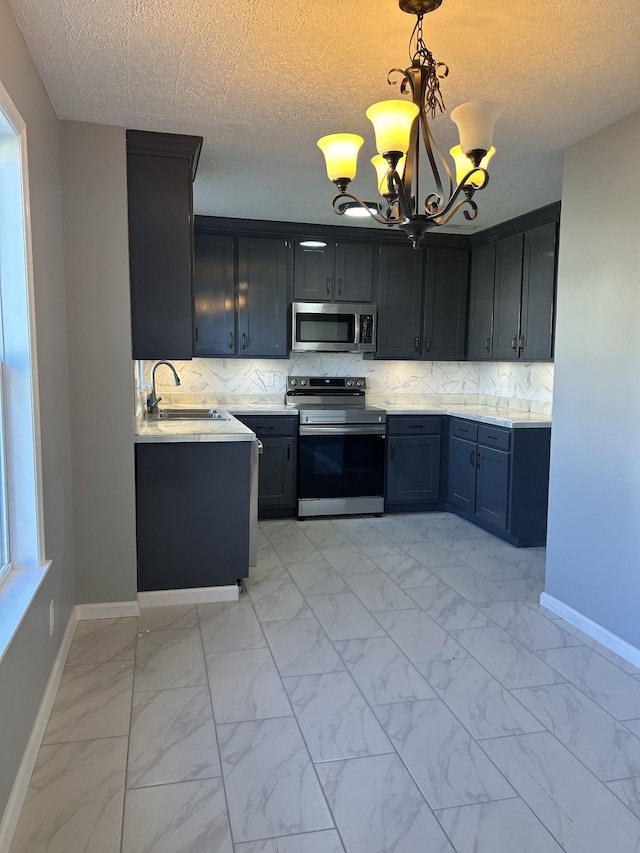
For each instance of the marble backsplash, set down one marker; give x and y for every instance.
(527, 386)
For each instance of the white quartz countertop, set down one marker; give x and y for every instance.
(233, 430)
(497, 416)
(229, 429)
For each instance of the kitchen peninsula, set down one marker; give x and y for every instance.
(193, 491)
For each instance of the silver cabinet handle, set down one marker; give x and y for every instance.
(328, 286)
(230, 340)
(521, 341)
(478, 459)
(339, 285)
(393, 450)
(288, 452)
(244, 340)
(428, 344)
(514, 343)
(487, 344)
(417, 343)
(472, 458)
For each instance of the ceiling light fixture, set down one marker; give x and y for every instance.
(362, 209)
(399, 126)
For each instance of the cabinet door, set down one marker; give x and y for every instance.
(483, 264)
(445, 304)
(313, 272)
(399, 303)
(262, 297)
(214, 319)
(492, 486)
(160, 256)
(462, 473)
(354, 263)
(413, 469)
(508, 287)
(538, 289)
(276, 484)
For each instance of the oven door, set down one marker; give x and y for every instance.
(341, 461)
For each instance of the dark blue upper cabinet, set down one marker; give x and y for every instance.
(263, 275)
(538, 292)
(215, 332)
(480, 337)
(445, 304)
(400, 302)
(508, 287)
(335, 272)
(513, 289)
(160, 172)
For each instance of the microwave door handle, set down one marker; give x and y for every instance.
(356, 336)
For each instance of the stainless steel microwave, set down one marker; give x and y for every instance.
(333, 327)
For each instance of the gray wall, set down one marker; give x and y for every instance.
(593, 553)
(96, 256)
(25, 669)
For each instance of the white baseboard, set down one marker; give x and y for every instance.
(21, 784)
(592, 629)
(197, 595)
(107, 610)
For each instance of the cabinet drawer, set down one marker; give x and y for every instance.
(271, 425)
(415, 425)
(494, 437)
(464, 429)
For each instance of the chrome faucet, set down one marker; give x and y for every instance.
(153, 399)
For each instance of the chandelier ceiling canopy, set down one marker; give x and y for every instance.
(400, 127)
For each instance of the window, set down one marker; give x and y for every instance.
(22, 563)
(5, 553)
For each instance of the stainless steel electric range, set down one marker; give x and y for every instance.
(342, 446)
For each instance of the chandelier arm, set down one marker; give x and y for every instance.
(431, 145)
(462, 187)
(383, 220)
(404, 201)
(442, 219)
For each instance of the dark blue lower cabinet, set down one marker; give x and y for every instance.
(492, 486)
(192, 513)
(462, 474)
(278, 463)
(500, 481)
(276, 487)
(413, 469)
(415, 472)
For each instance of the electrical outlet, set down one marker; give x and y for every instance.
(270, 379)
(52, 618)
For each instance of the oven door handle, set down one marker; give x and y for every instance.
(343, 429)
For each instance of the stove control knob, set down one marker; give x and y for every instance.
(303, 382)
(293, 382)
(349, 383)
(360, 383)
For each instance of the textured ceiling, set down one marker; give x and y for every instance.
(261, 81)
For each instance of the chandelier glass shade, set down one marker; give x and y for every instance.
(403, 133)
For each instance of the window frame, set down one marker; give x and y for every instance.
(28, 567)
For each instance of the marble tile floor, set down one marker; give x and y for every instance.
(385, 685)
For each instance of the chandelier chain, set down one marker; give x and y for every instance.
(420, 54)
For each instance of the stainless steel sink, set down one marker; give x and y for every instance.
(184, 414)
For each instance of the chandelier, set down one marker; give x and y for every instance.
(399, 125)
